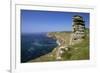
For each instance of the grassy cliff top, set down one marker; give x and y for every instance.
(78, 51)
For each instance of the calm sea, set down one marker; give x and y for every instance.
(35, 45)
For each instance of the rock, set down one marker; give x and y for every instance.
(61, 51)
(66, 49)
(59, 58)
(51, 55)
(78, 30)
(58, 42)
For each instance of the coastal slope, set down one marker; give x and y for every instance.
(79, 51)
(62, 39)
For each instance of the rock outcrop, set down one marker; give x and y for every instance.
(78, 29)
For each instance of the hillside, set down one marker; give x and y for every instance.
(77, 51)
(60, 36)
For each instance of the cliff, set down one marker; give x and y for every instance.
(62, 38)
(72, 45)
(65, 51)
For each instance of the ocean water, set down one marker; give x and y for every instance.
(35, 45)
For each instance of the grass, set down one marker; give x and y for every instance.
(78, 51)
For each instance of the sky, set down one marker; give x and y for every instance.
(33, 21)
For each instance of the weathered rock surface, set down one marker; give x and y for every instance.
(78, 29)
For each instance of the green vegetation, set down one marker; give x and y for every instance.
(79, 51)
(61, 36)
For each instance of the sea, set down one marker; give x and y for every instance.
(34, 45)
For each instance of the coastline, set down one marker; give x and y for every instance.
(62, 39)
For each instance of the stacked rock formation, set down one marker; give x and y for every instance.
(78, 29)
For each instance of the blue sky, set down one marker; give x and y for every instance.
(33, 21)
